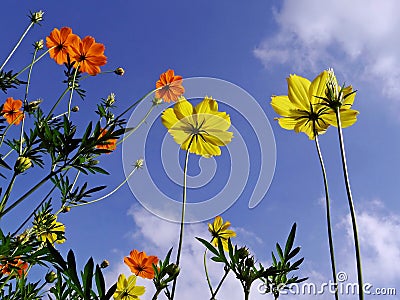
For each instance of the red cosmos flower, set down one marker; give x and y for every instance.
(11, 111)
(61, 40)
(15, 265)
(169, 86)
(110, 144)
(141, 264)
(89, 55)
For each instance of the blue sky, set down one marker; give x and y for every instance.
(255, 46)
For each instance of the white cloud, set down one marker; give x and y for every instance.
(355, 36)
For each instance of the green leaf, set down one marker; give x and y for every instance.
(208, 246)
(87, 278)
(290, 240)
(280, 252)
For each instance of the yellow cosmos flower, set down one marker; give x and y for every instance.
(303, 109)
(127, 288)
(219, 230)
(47, 228)
(201, 129)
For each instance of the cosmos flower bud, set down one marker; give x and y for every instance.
(110, 100)
(75, 108)
(65, 209)
(50, 277)
(139, 163)
(119, 71)
(22, 164)
(36, 17)
(104, 264)
(243, 253)
(173, 270)
(249, 262)
(33, 105)
(157, 101)
(39, 45)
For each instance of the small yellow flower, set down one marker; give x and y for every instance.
(47, 228)
(201, 129)
(219, 230)
(127, 288)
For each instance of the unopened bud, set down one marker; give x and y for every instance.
(50, 277)
(243, 253)
(172, 270)
(110, 100)
(38, 45)
(157, 101)
(249, 262)
(139, 163)
(65, 209)
(36, 17)
(75, 108)
(33, 105)
(22, 164)
(104, 264)
(119, 71)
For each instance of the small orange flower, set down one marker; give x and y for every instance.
(61, 40)
(169, 86)
(89, 55)
(141, 264)
(15, 265)
(110, 144)
(11, 111)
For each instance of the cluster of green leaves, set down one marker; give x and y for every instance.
(9, 80)
(164, 272)
(247, 271)
(68, 285)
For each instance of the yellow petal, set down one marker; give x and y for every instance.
(138, 290)
(298, 91)
(349, 100)
(347, 117)
(318, 87)
(214, 122)
(168, 118)
(282, 105)
(206, 106)
(183, 108)
(287, 123)
(218, 138)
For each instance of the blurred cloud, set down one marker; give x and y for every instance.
(358, 36)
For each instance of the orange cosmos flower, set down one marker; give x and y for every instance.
(169, 86)
(89, 55)
(141, 264)
(61, 40)
(110, 144)
(11, 111)
(15, 265)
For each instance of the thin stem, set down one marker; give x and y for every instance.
(8, 192)
(34, 62)
(110, 193)
(28, 193)
(137, 126)
(156, 294)
(207, 276)
(26, 101)
(134, 104)
(57, 102)
(351, 207)
(17, 45)
(183, 214)
(328, 217)
(7, 128)
(72, 91)
(220, 284)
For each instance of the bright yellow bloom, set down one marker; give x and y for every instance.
(47, 228)
(219, 230)
(201, 129)
(127, 288)
(303, 109)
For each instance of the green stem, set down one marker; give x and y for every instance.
(220, 284)
(351, 207)
(17, 45)
(57, 102)
(328, 217)
(137, 126)
(207, 276)
(156, 294)
(72, 91)
(110, 193)
(26, 101)
(7, 192)
(183, 214)
(133, 105)
(246, 293)
(34, 62)
(28, 193)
